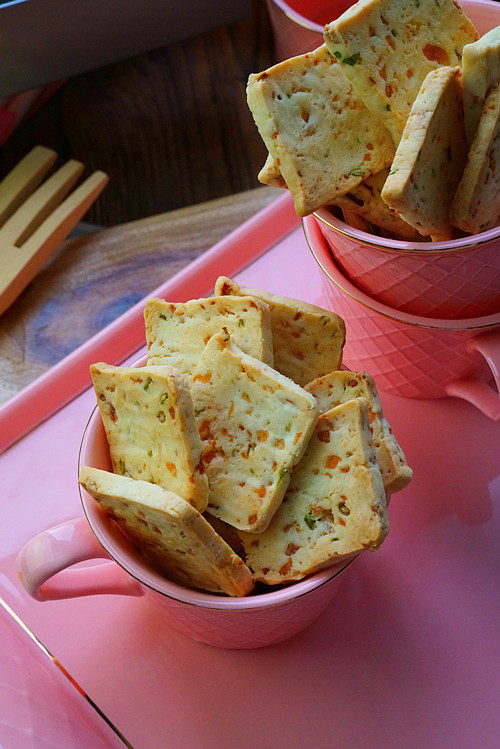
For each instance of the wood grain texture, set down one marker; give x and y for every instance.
(171, 127)
(93, 279)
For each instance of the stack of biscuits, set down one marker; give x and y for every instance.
(394, 121)
(241, 451)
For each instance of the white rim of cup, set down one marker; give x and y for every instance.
(470, 323)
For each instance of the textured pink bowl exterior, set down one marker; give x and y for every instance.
(405, 358)
(224, 622)
(408, 361)
(453, 285)
(405, 275)
(254, 628)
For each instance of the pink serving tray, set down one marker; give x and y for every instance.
(406, 656)
(40, 703)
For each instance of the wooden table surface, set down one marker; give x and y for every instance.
(170, 127)
(173, 131)
(94, 278)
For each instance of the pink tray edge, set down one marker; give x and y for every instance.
(67, 379)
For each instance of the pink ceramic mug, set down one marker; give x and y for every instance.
(251, 622)
(455, 279)
(417, 357)
(298, 24)
(452, 280)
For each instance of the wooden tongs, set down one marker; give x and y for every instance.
(35, 217)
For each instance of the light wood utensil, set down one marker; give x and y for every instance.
(36, 217)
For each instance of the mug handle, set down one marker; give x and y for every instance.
(474, 390)
(56, 549)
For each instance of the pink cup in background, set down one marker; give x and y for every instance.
(298, 25)
(224, 622)
(455, 279)
(417, 357)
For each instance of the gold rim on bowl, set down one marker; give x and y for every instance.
(379, 308)
(383, 244)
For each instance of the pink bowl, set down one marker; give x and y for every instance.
(455, 279)
(417, 357)
(224, 622)
(298, 24)
(452, 280)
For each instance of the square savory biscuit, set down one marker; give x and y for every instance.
(361, 206)
(169, 533)
(431, 156)
(366, 201)
(386, 48)
(319, 133)
(149, 421)
(340, 387)
(476, 205)
(307, 340)
(270, 174)
(254, 425)
(177, 333)
(480, 71)
(335, 505)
